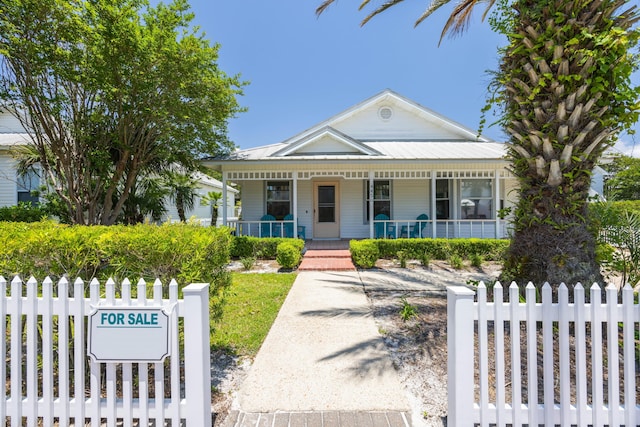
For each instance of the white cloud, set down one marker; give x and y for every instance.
(628, 146)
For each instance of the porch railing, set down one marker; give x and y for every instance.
(284, 228)
(448, 229)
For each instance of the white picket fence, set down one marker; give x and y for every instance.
(550, 363)
(49, 380)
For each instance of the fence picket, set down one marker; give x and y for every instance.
(47, 352)
(31, 360)
(581, 356)
(516, 374)
(158, 370)
(498, 331)
(613, 367)
(565, 361)
(547, 355)
(94, 369)
(597, 405)
(629, 356)
(532, 355)
(112, 378)
(175, 356)
(143, 368)
(483, 351)
(16, 352)
(127, 371)
(79, 352)
(63, 351)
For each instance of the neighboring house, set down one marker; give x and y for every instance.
(372, 171)
(14, 188)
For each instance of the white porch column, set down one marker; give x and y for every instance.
(371, 205)
(496, 202)
(433, 204)
(225, 202)
(294, 177)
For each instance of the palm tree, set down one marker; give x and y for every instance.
(212, 198)
(182, 191)
(565, 92)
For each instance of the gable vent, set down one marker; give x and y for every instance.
(385, 113)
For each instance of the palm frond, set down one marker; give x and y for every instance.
(433, 6)
(379, 10)
(323, 6)
(460, 17)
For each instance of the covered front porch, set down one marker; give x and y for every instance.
(349, 203)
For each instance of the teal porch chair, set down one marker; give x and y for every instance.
(383, 230)
(416, 230)
(288, 228)
(267, 229)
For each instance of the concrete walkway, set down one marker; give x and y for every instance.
(323, 363)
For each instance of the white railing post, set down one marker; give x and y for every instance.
(460, 337)
(197, 355)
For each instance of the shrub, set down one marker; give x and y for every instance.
(288, 256)
(402, 258)
(476, 260)
(425, 259)
(364, 253)
(23, 212)
(248, 262)
(456, 261)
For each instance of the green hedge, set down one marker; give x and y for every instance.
(23, 212)
(489, 249)
(187, 253)
(260, 247)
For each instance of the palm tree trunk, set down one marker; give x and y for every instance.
(561, 94)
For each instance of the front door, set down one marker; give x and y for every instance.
(326, 208)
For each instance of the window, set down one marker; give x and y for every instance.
(25, 185)
(381, 198)
(442, 199)
(278, 199)
(476, 199)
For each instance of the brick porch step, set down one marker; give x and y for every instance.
(327, 260)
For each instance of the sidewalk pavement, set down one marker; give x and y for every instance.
(323, 362)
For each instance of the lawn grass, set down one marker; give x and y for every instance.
(251, 306)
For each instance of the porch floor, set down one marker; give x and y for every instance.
(327, 255)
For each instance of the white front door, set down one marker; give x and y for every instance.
(326, 209)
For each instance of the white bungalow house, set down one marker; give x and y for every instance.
(15, 188)
(384, 168)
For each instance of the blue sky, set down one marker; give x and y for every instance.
(303, 69)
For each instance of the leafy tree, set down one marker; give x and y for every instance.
(564, 90)
(111, 90)
(624, 183)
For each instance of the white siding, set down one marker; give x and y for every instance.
(352, 224)
(8, 188)
(252, 200)
(9, 124)
(410, 198)
(305, 206)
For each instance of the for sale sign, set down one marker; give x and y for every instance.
(128, 334)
